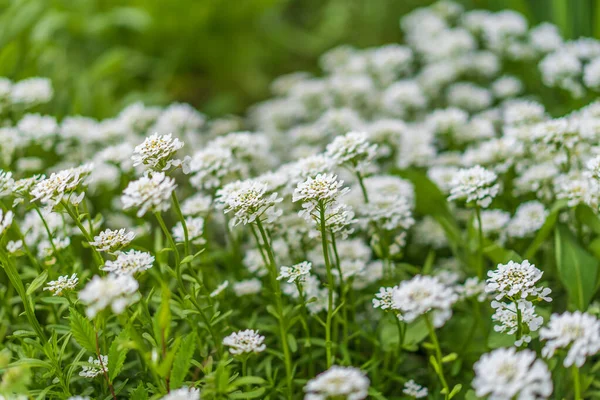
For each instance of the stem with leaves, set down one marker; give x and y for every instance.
(438, 364)
(330, 286)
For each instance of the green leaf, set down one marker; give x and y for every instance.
(588, 217)
(254, 394)
(182, 360)
(140, 393)
(248, 380)
(82, 331)
(117, 354)
(37, 282)
(455, 390)
(500, 255)
(577, 269)
(546, 229)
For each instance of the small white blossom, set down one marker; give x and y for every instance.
(577, 331)
(296, 272)
(476, 185)
(385, 298)
(149, 193)
(338, 382)
(156, 152)
(422, 294)
(97, 367)
(183, 393)
(219, 289)
(195, 227)
(110, 241)
(59, 185)
(506, 374)
(516, 280)
(353, 150)
(247, 341)
(247, 287)
(116, 291)
(6, 219)
(413, 389)
(129, 263)
(63, 283)
(506, 318)
(248, 200)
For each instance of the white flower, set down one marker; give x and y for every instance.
(116, 291)
(516, 280)
(211, 166)
(7, 183)
(156, 152)
(149, 193)
(493, 222)
(412, 389)
(578, 189)
(505, 374)
(580, 332)
(110, 241)
(61, 284)
(195, 205)
(59, 185)
(296, 272)
(528, 219)
(195, 227)
(385, 298)
(13, 246)
(422, 294)
(506, 316)
(219, 289)
(324, 188)
(248, 200)
(250, 286)
(475, 184)
(353, 150)
(6, 219)
(129, 263)
(32, 91)
(97, 367)
(247, 341)
(338, 382)
(310, 167)
(183, 393)
(472, 287)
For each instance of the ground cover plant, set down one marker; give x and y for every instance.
(418, 221)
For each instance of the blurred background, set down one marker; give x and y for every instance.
(219, 55)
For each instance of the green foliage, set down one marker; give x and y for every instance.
(82, 330)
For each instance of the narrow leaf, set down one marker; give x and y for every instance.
(82, 331)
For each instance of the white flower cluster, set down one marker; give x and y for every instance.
(114, 291)
(156, 152)
(96, 367)
(421, 295)
(112, 240)
(295, 273)
(129, 263)
(506, 374)
(338, 382)
(62, 284)
(150, 193)
(247, 341)
(249, 201)
(474, 185)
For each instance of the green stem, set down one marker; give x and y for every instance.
(330, 287)
(279, 304)
(576, 383)
(479, 265)
(186, 234)
(85, 233)
(438, 356)
(362, 186)
(519, 322)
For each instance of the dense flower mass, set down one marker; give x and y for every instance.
(384, 214)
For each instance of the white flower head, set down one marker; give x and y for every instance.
(156, 152)
(384, 299)
(352, 150)
(151, 192)
(507, 321)
(578, 332)
(96, 367)
(183, 393)
(129, 263)
(195, 228)
(6, 219)
(60, 185)
(413, 389)
(422, 294)
(476, 185)
(338, 382)
(516, 280)
(506, 374)
(247, 287)
(63, 283)
(110, 241)
(248, 200)
(7, 183)
(295, 273)
(247, 341)
(114, 291)
(319, 191)
(219, 289)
